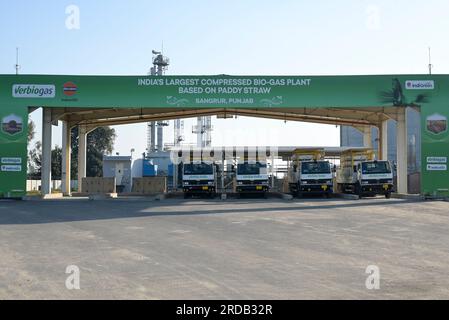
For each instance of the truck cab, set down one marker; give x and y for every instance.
(199, 177)
(374, 177)
(252, 177)
(314, 177)
(310, 173)
(361, 174)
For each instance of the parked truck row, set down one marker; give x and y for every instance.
(201, 177)
(309, 173)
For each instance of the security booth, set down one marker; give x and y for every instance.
(89, 102)
(118, 167)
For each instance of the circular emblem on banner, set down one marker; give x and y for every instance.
(12, 124)
(70, 89)
(436, 123)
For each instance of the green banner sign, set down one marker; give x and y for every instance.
(431, 93)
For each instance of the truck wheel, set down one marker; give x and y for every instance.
(388, 195)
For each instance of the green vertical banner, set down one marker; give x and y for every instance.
(435, 150)
(13, 151)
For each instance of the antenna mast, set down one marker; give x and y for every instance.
(430, 61)
(17, 65)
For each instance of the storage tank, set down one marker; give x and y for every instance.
(149, 169)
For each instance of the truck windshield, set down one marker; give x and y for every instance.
(315, 167)
(376, 167)
(250, 168)
(196, 169)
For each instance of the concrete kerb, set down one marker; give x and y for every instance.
(287, 196)
(223, 197)
(52, 196)
(94, 197)
(160, 197)
(415, 197)
(174, 194)
(98, 197)
(231, 195)
(346, 196)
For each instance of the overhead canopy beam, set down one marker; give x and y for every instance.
(333, 116)
(247, 113)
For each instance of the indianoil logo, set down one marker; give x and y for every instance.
(420, 84)
(70, 89)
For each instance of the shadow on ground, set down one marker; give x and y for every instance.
(58, 211)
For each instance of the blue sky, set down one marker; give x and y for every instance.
(227, 37)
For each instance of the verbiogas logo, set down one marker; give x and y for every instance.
(33, 91)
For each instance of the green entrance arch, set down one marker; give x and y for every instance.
(92, 101)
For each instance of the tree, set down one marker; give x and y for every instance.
(31, 134)
(35, 162)
(397, 97)
(56, 163)
(31, 131)
(99, 142)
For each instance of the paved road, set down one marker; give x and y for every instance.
(239, 249)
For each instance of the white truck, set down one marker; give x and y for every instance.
(199, 178)
(361, 174)
(252, 177)
(310, 174)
